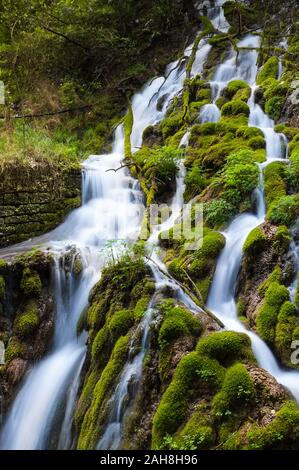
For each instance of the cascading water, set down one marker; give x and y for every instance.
(241, 67)
(221, 299)
(111, 211)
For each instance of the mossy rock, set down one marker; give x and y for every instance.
(192, 370)
(275, 186)
(89, 434)
(27, 322)
(234, 108)
(266, 320)
(237, 89)
(120, 323)
(237, 391)
(31, 284)
(177, 322)
(287, 322)
(226, 347)
(269, 70)
(255, 242)
(282, 431)
(15, 349)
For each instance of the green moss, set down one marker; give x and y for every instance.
(275, 182)
(286, 323)
(120, 323)
(177, 322)
(27, 322)
(195, 183)
(89, 432)
(239, 88)
(257, 143)
(255, 242)
(282, 240)
(14, 349)
(282, 430)
(31, 284)
(226, 347)
(274, 107)
(197, 433)
(275, 276)
(158, 167)
(141, 307)
(171, 124)
(100, 343)
(275, 296)
(212, 244)
(269, 70)
(235, 107)
(172, 410)
(77, 266)
(128, 125)
(3, 265)
(249, 133)
(237, 391)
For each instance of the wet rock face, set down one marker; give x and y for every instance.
(26, 318)
(35, 199)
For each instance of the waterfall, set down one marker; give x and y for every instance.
(111, 210)
(221, 299)
(241, 67)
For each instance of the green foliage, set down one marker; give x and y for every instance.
(27, 321)
(255, 242)
(269, 70)
(242, 176)
(195, 183)
(159, 166)
(171, 124)
(196, 434)
(177, 322)
(31, 284)
(266, 321)
(218, 212)
(237, 391)
(285, 211)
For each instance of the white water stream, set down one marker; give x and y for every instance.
(112, 210)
